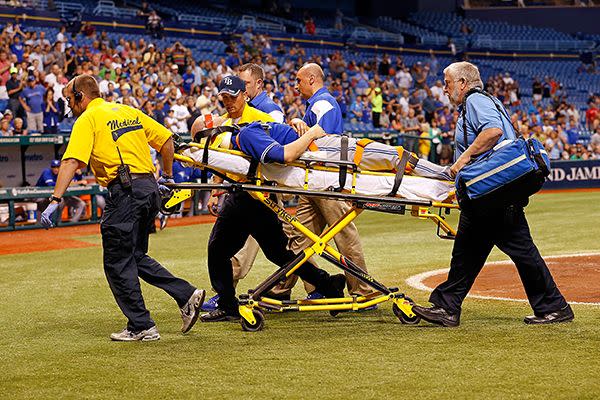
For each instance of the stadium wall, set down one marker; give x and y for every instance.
(559, 18)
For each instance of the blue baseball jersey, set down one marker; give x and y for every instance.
(183, 174)
(47, 178)
(264, 103)
(481, 115)
(263, 144)
(323, 109)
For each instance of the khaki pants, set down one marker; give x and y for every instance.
(35, 122)
(244, 259)
(316, 213)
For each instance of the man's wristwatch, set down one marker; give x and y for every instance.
(165, 176)
(56, 199)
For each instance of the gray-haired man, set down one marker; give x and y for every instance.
(479, 229)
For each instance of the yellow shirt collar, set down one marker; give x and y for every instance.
(95, 103)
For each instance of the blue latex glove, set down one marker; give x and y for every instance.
(46, 220)
(163, 190)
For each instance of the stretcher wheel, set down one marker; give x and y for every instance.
(260, 322)
(405, 319)
(168, 210)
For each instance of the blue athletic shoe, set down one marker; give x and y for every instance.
(212, 304)
(371, 308)
(314, 296)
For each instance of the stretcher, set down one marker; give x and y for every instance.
(366, 190)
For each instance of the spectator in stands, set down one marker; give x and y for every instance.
(430, 106)
(204, 100)
(419, 75)
(19, 128)
(377, 107)
(14, 88)
(578, 152)
(384, 120)
(5, 128)
(248, 39)
(170, 121)
(188, 80)
(555, 145)
(309, 26)
(193, 111)
(297, 109)
(32, 99)
(155, 25)
(367, 116)
(51, 113)
(412, 127)
(88, 29)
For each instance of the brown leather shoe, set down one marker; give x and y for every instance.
(564, 315)
(437, 315)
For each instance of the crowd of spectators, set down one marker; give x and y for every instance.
(174, 88)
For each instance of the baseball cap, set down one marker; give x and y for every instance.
(13, 70)
(54, 163)
(232, 85)
(31, 78)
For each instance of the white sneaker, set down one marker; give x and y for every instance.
(163, 221)
(126, 335)
(190, 312)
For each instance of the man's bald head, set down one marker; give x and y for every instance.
(85, 85)
(309, 79)
(314, 70)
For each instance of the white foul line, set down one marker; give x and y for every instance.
(416, 281)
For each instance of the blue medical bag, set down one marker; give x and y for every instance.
(513, 169)
(510, 172)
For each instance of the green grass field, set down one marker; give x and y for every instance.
(57, 312)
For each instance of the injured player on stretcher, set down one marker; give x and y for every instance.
(279, 143)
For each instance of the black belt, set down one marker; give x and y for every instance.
(146, 175)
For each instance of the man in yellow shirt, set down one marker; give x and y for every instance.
(113, 140)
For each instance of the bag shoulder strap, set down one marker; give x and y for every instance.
(501, 110)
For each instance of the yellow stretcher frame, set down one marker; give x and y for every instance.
(251, 304)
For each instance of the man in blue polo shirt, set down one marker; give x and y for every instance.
(313, 212)
(253, 75)
(481, 227)
(321, 106)
(31, 99)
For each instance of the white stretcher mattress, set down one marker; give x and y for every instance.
(412, 187)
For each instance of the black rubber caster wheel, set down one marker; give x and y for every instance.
(259, 325)
(405, 319)
(168, 210)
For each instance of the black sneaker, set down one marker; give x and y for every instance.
(335, 286)
(219, 315)
(564, 315)
(437, 315)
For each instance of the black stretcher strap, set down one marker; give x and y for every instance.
(209, 134)
(400, 173)
(343, 168)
